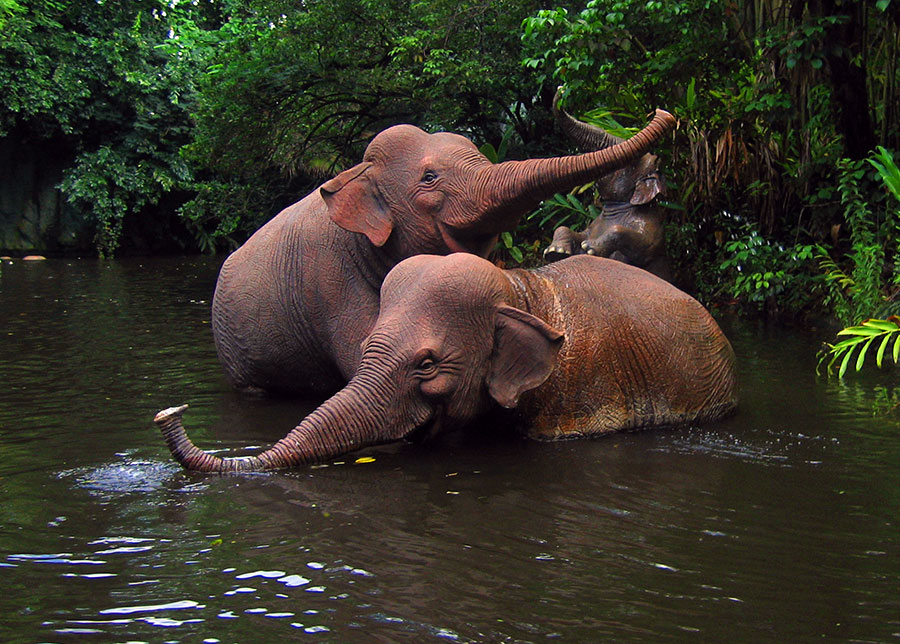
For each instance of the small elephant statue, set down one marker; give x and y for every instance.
(294, 303)
(631, 225)
(579, 347)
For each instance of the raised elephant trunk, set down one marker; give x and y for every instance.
(347, 421)
(586, 136)
(514, 187)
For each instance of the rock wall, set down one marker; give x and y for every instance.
(34, 215)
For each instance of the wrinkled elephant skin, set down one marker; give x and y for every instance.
(580, 347)
(293, 304)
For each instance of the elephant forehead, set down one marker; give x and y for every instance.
(450, 295)
(457, 282)
(439, 271)
(450, 139)
(417, 146)
(406, 331)
(394, 139)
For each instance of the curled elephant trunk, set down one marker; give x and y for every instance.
(586, 136)
(192, 457)
(514, 187)
(347, 421)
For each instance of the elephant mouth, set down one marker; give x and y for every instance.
(426, 431)
(459, 242)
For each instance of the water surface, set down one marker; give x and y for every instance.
(778, 524)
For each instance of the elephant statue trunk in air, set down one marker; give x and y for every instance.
(631, 224)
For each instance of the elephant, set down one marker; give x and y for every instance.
(631, 225)
(293, 304)
(579, 347)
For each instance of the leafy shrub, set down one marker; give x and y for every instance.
(856, 286)
(766, 275)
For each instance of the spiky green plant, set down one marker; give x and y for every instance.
(860, 338)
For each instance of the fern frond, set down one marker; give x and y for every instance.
(863, 336)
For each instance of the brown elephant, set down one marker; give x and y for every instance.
(631, 225)
(579, 347)
(293, 304)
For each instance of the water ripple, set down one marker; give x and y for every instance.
(176, 605)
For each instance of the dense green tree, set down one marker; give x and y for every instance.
(90, 81)
(270, 96)
(295, 90)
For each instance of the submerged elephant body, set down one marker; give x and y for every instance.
(638, 352)
(274, 316)
(580, 347)
(293, 304)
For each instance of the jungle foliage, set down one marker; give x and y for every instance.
(225, 111)
(779, 102)
(90, 78)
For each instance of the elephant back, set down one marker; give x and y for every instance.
(638, 352)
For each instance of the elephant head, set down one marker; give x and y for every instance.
(434, 193)
(636, 183)
(433, 362)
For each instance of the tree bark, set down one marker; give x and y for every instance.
(849, 83)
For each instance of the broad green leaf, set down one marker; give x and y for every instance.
(844, 344)
(844, 363)
(690, 97)
(880, 355)
(859, 330)
(577, 205)
(861, 358)
(490, 152)
(834, 356)
(882, 325)
(896, 349)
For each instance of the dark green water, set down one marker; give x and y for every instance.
(781, 524)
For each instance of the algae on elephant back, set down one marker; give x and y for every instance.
(580, 347)
(294, 303)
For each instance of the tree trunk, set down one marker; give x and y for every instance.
(846, 41)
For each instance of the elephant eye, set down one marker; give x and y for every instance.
(426, 365)
(430, 176)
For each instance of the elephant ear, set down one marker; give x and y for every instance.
(355, 204)
(646, 188)
(525, 350)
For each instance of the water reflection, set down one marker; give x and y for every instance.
(777, 524)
